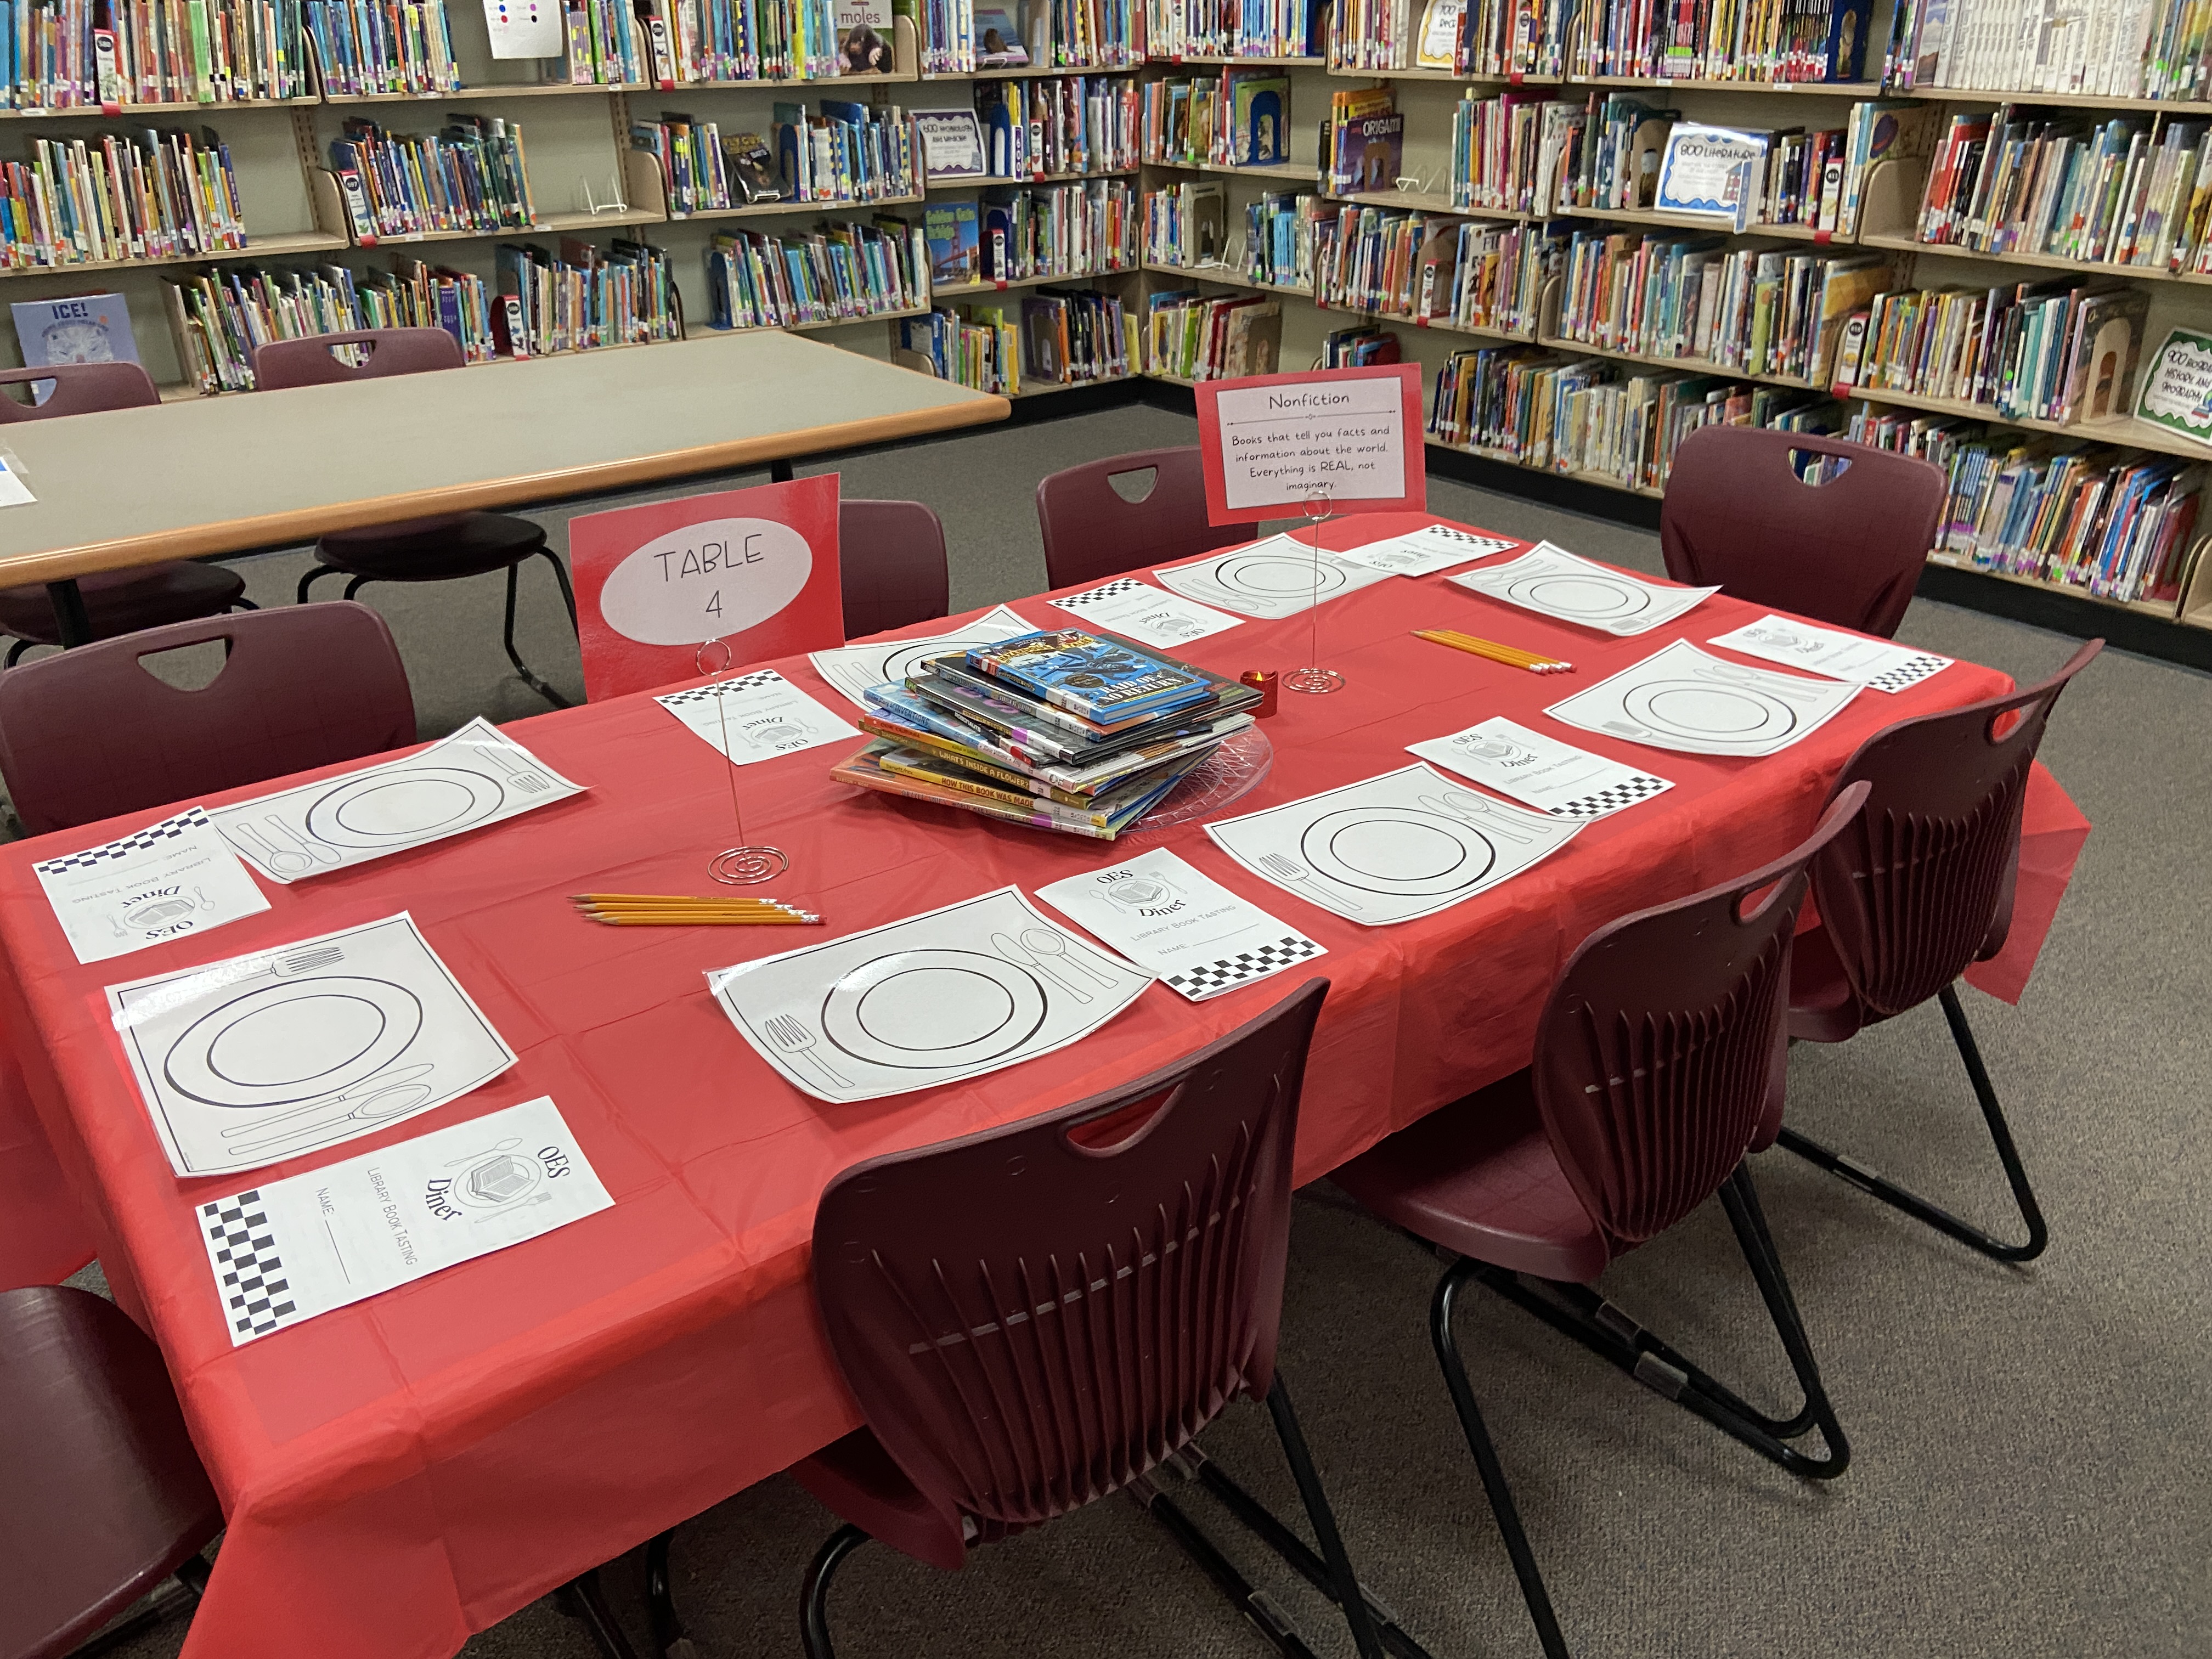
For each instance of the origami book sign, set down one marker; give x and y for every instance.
(757, 569)
(1279, 443)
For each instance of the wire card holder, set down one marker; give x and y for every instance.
(1315, 681)
(743, 865)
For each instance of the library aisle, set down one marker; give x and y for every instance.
(2031, 1471)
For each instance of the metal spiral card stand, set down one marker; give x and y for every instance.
(1315, 681)
(742, 865)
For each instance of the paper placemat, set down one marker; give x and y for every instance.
(161, 883)
(756, 716)
(286, 1251)
(1539, 771)
(1426, 551)
(1553, 582)
(261, 1058)
(1197, 936)
(1139, 611)
(851, 669)
(1391, 848)
(1680, 698)
(477, 776)
(950, 994)
(1879, 665)
(1270, 580)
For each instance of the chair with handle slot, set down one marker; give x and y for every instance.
(445, 547)
(1738, 515)
(1921, 886)
(92, 732)
(890, 558)
(1660, 1065)
(115, 601)
(1092, 532)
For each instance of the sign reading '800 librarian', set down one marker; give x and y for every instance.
(755, 568)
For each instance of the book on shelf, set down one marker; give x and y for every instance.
(165, 52)
(688, 155)
(581, 298)
(1258, 118)
(1808, 41)
(1499, 152)
(958, 37)
(1239, 117)
(1610, 157)
(999, 43)
(954, 235)
(844, 151)
(469, 176)
(1070, 124)
(1507, 37)
(1196, 337)
(840, 270)
(749, 163)
(1374, 34)
(142, 195)
(1357, 347)
(1878, 131)
(1187, 224)
(81, 328)
(976, 346)
(361, 48)
(1174, 29)
(1279, 238)
(1365, 148)
(1074, 335)
(2156, 49)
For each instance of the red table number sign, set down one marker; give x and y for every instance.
(1272, 442)
(757, 568)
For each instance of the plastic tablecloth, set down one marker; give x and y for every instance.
(401, 1473)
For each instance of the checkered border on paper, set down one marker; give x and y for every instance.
(153, 835)
(1638, 786)
(1910, 673)
(1449, 532)
(249, 1273)
(1107, 591)
(709, 693)
(1214, 977)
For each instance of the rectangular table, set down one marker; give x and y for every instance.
(402, 1473)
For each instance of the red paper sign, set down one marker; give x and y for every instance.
(1273, 443)
(755, 569)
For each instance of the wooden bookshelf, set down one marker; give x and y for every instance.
(1033, 72)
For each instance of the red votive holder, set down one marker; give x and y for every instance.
(1262, 680)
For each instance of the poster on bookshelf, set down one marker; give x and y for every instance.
(1347, 437)
(2177, 392)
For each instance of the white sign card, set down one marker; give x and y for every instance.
(1391, 848)
(954, 993)
(1168, 917)
(260, 1058)
(524, 28)
(851, 669)
(755, 717)
(1710, 172)
(1284, 440)
(154, 885)
(952, 142)
(1271, 579)
(1538, 771)
(1139, 611)
(1680, 698)
(284, 1252)
(1553, 582)
(2177, 392)
(1879, 665)
(477, 776)
(1423, 552)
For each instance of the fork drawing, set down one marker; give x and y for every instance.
(796, 1038)
(303, 962)
(1283, 867)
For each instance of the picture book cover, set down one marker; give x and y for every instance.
(863, 28)
(1371, 155)
(86, 328)
(954, 234)
(1259, 119)
(1101, 678)
(999, 38)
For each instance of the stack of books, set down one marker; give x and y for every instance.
(166, 52)
(1062, 729)
(469, 177)
(362, 46)
(150, 195)
(841, 269)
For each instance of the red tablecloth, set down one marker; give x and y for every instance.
(399, 1474)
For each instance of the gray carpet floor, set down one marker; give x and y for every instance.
(2031, 1474)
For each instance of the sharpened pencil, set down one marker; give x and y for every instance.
(1511, 655)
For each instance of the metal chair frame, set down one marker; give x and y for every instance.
(506, 635)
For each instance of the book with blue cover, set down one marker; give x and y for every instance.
(1107, 681)
(85, 328)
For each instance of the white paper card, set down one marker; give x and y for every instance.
(851, 669)
(950, 994)
(293, 1249)
(1164, 915)
(1553, 582)
(1680, 698)
(260, 1058)
(524, 28)
(1391, 848)
(170, 878)
(1877, 664)
(14, 492)
(1423, 552)
(475, 777)
(1538, 771)
(1274, 578)
(1344, 437)
(755, 717)
(1139, 611)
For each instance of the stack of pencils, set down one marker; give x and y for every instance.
(674, 910)
(1511, 655)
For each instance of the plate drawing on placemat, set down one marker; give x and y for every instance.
(1553, 582)
(1596, 597)
(950, 994)
(1271, 579)
(1682, 699)
(419, 803)
(851, 669)
(290, 1042)
(1397, 849)
(1710, 712)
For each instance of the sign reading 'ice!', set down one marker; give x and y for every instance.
(1350, 436)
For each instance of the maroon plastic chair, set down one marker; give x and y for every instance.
(101, 1495)
(1921, 886)
(890, 558)
(1849, 551)
(115, 601)
(1092, 532)
(90, 733)
(1659, 1066)
(1036, 1316)
(442, 548)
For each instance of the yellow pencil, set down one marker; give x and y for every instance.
(626, 919)
(1511, 656)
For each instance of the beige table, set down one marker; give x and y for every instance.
(225, 475)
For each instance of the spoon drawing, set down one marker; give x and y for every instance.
(1046, 943)
(1021, 958)
(284, 862)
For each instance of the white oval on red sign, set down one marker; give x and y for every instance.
(706, 581)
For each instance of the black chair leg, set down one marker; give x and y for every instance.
(356, 585)
(242, 603)
(670, 1639)
(313, 576)
(513, 572)
(561, 575)
(582, 1598)
(15, 651)
(1345, 1593)
(1502, 1506)
(814, 1592)
(161, 1606)
(1898, 1198)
